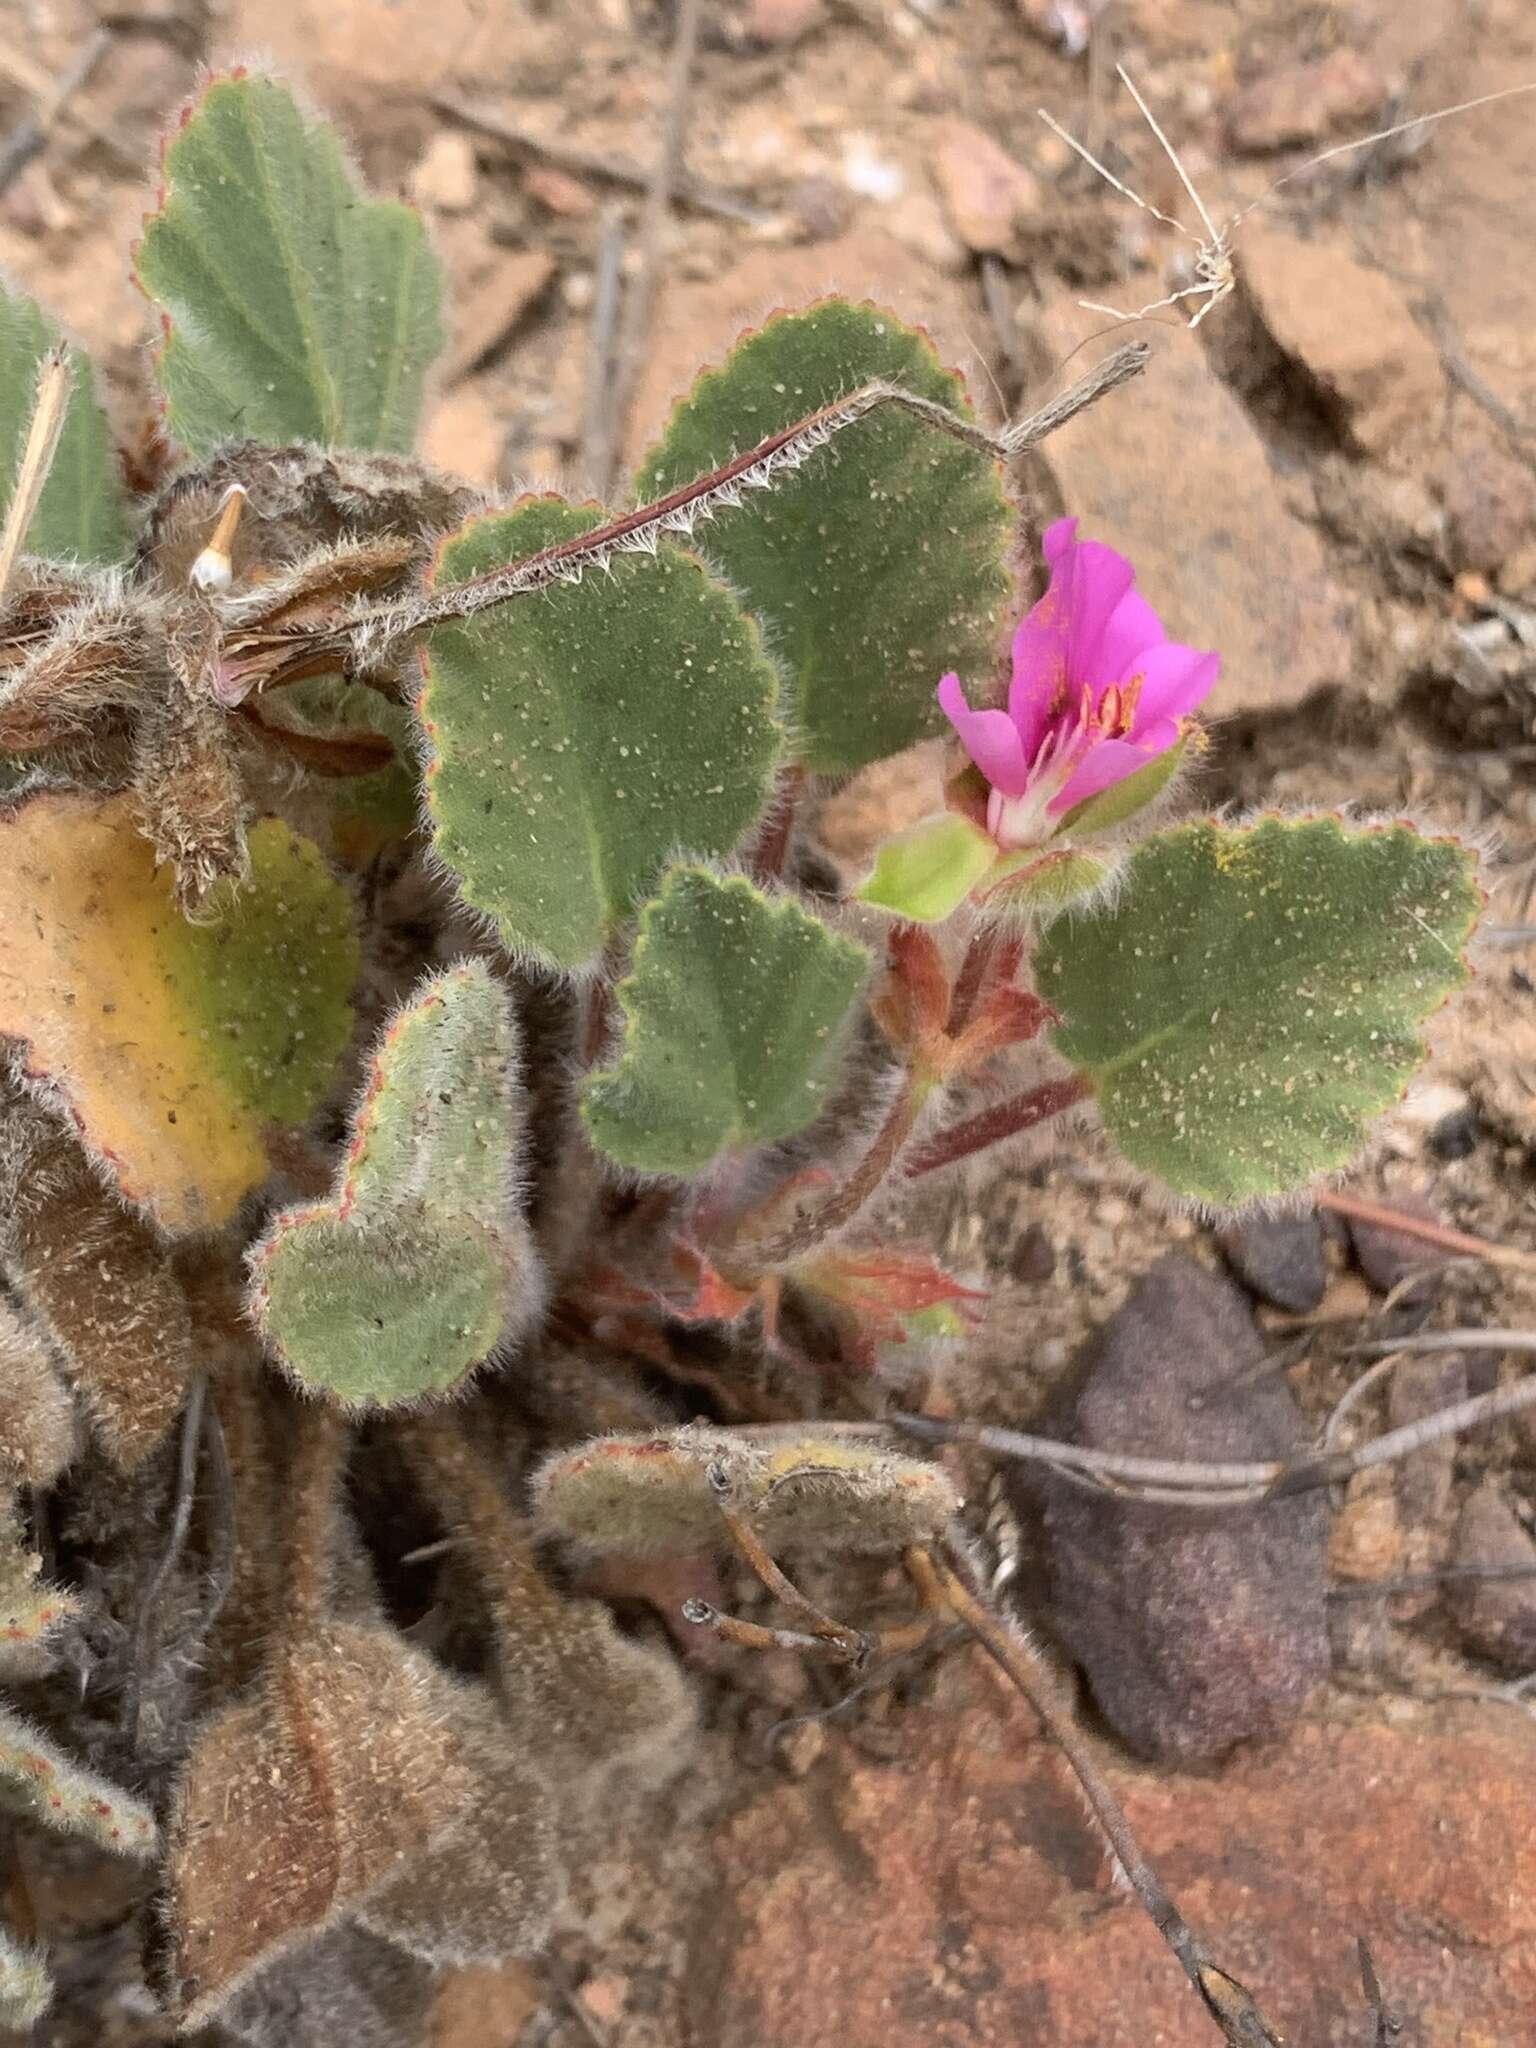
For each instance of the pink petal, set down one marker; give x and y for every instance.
(1174, 679)
(1101, 579)
(1105, 764)
(1055, 650)
(1133, 631)
(989, 737)
(1058, 538)
(1038, 690)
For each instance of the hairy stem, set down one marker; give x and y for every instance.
(1002, 1120)
(314, 1483)
(989, 959)
(845, 1202)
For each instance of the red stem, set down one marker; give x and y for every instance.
(990, 959)
(1002, 1120)
(845, 1202)
(773, 843)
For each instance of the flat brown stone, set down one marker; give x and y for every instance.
(957, 1897)
(1346, 330)
(1171, 471)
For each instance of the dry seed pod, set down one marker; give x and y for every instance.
(107, 1294)
(37, 1416)
(803, 1487)
(297, 499)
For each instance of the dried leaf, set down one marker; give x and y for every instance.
(104, 1287)
(346, 1765)
(347, 1990)
(37, 1417)
(489, 1892)
(174, 1045)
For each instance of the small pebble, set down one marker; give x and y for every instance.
(1496, 1617)
(1387, 1256)
(1279, 1258)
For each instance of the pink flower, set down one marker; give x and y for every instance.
(1099, 691)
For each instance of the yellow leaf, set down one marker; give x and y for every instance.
(176, 1046)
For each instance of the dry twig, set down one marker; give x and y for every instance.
(1187, 1483)
(50, 404)
(640, 299)
(610, 166)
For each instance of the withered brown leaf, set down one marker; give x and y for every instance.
(348, 1764)
(106, 1292)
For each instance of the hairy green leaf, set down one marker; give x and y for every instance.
(26, 1989)
(734, 1013)
(420, 1263)
(582, 737)
(39, 1780)
(295, 308)
(1257, 994)
(82, 515)
(877, 565)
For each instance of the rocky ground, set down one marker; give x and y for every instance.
(1334, 481)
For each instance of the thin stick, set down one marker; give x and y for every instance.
(1198, 1485)
(1424, 1582)
(1233, 2008)
(1324, 156)
(1449, 1340)
(611, 167)
(605, 324)
(850, 1642)
(1170, 152)
(50, 404)
(640, 301)
(1438, 1234)
(29, 138)
(146, 1626)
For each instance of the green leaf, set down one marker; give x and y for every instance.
(926, 873)
(39, 1780)
(26, 1989)
(582, 737)
(82, 515)
(1035, 884)
(876, 566)
(417, 1267)
(368, 812)
(734, 1013)
(1256, 995)
(295, 308)
(1124, 799)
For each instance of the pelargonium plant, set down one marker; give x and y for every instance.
(453, 1108)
